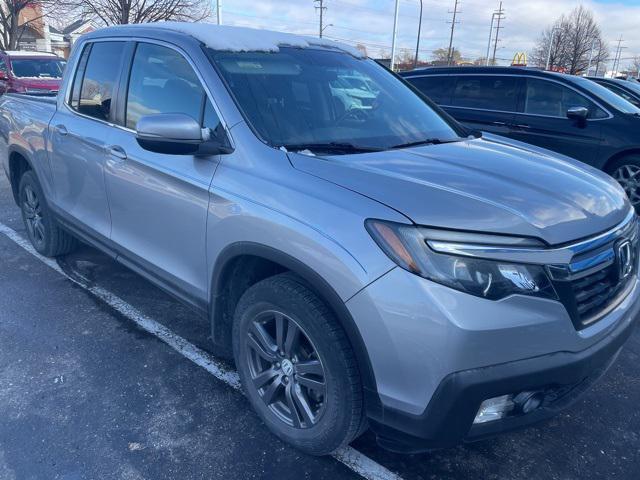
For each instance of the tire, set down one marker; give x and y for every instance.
(43, 231)
(626, 171)
(317, 373)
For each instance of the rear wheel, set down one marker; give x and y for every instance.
(296, 366)
(45, 234)
(627, 173)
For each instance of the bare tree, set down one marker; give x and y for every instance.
(570, 42)
(118, 12)
(16, 16)
(442, 55)
(634, 67)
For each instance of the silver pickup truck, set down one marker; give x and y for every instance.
(366, 264)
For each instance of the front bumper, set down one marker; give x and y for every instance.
(507, 348)
(448, 420)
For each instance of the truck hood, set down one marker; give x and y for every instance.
(486, 185)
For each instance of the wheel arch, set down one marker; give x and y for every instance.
(619, 155)
(19, 163)
(256, 262)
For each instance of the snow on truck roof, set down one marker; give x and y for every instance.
(244, 39)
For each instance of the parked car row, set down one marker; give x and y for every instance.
(570, 115)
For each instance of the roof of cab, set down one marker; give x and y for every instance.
(480, 70)
(223, 37)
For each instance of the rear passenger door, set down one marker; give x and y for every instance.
(485, 102)
(543, 121)
(79, 133)
(159, 202)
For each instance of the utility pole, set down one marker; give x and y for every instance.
(616, 60)
(453, 27)
(493, 17)
(219, 11)
(395, 33)
(499, 16)
(415, 60)
(593, 45)
(321, 8)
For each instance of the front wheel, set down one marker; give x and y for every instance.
(626, 171)
(296, 366)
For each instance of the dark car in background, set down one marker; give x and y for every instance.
(33, 73)
(567, 114)
(627, 89)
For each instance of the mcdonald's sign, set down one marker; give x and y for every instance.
(519, 60)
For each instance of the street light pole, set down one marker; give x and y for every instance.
(219, 11)
(593, 45)
(553, 34)
(393, 39)
(415, 60)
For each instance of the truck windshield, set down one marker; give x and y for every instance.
(326, 100)
(37, 67)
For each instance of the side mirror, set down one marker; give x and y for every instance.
(177, 134)
(578, 113)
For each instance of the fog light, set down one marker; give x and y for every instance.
(495, 409)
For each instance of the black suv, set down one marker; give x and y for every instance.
(570, 115)
(627, 89)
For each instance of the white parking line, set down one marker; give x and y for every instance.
(352, 458)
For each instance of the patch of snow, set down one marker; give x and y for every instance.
(244, 39)
(307, 152)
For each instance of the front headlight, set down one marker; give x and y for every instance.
(407, 246)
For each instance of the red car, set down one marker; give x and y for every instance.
(35, 73)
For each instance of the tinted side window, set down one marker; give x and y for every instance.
(618, 91)
(74, 101)
(437, 88)
(162, 81)
(486, 92)
(100, 77)
(553, 99)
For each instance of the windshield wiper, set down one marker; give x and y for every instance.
(427, 141)
(331, 147)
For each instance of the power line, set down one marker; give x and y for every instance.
(453, 26)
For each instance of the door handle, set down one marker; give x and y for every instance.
(522, 126)
(118, 152)
(61, 130)
(499, 124)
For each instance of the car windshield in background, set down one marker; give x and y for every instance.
(604, 93)
(328, 101)
(37, 67)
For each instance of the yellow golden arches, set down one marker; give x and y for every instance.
(519, 60)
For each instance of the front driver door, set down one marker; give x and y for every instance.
(543, 120)
(159, 202)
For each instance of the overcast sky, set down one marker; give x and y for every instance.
(371, 22)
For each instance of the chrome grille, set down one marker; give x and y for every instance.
(596, 281)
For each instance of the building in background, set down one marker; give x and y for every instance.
(39, 36)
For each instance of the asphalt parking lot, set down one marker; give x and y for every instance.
(90, 391)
